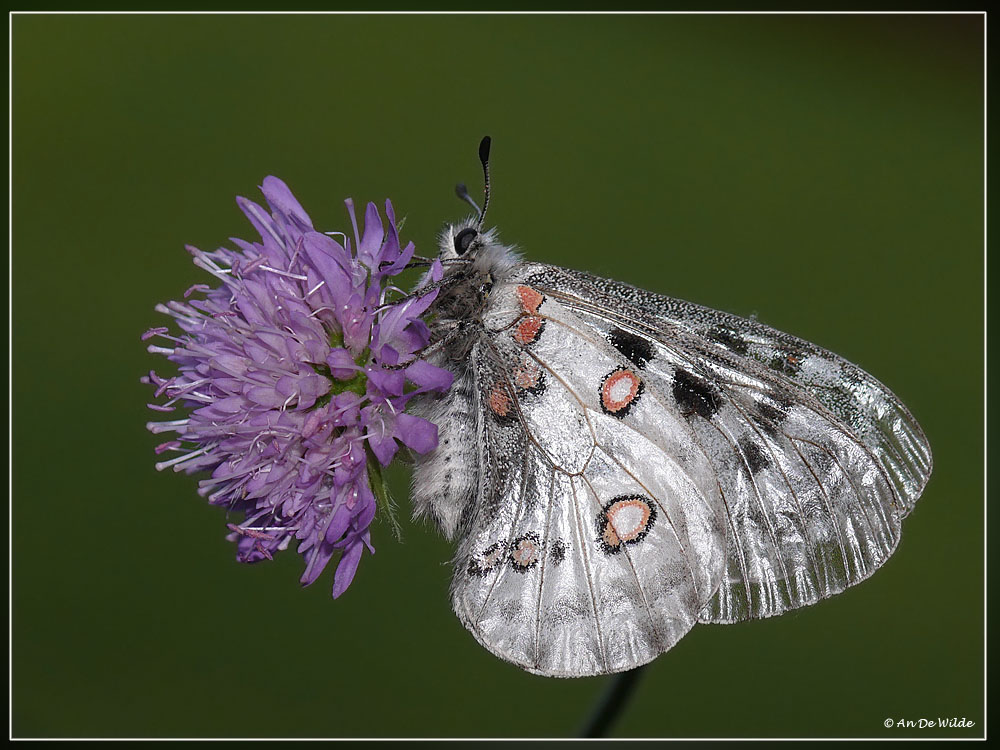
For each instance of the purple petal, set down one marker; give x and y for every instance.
(415, 336)
(356, 323)
(346, 568)
(229, 364)
(318, 558)
(387, 356)
(314, 420)
(354, 219)
(418, 434)
(426, 375)
(371, 242)
(391, 259)
(265, 396)
(345, 408)
(225, 408)
(259, 218)
(397, 317)
(417, 307)
(367, 539)
(328, 257)
(250, 550)
(280, 198)
(383, 444)
(338, 524)
(405, 256)
(365, 503)
(386, 382)
(341, 363)
(437, 270)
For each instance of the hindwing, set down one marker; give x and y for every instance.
(593, 542)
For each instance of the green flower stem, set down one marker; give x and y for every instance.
(612, 703)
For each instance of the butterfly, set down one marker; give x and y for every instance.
(616, 466)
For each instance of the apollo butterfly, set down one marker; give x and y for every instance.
(617, 466)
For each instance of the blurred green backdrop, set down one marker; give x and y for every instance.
(824, 173)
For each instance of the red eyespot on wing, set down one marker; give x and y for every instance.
(499, 401)
(525, 552)
(624, 520)
(619, 390)
(529, 298)
(528, 375)
(528, 330)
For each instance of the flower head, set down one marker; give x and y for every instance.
(297, 374)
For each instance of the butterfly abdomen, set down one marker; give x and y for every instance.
(444, 480)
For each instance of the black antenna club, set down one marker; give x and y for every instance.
(484, 157)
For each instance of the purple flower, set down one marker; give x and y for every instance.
(294, 369)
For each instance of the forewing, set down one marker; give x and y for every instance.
(816, 461)
(593, 545)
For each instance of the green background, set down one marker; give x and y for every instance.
(822, 172)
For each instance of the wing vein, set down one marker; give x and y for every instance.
(631, 565)
(666, 515)
(772, 534)
(873, 533)
(788, 483)
(541, 571)
(590, 582)
(829, 507)
(502, 569)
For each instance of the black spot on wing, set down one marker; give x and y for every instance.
(636, 349)
(487, 560)
(525, 552)
(694, 395)
(557, 551)
(728, 339)
(787, 362)
(538, 387)
(756, 460)
(771, 413)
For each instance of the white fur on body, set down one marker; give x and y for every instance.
(445, 481)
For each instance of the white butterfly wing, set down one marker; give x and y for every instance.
(591, 547)
(643, 464)
(817, 461)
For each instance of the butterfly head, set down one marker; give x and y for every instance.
(467, 250)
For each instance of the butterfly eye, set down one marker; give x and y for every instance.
(464, 239)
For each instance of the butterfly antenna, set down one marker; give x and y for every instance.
(462, 192)
(484, 157)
